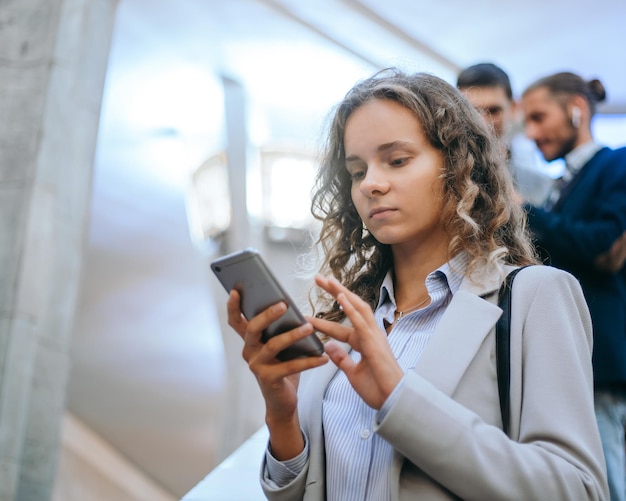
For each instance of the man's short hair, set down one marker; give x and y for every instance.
(485, 75)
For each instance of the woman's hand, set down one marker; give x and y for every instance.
(278, 380)
(377, 373)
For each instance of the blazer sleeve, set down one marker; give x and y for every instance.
(293, 490)
(557, 454)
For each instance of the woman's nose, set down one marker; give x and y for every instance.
(375, 182)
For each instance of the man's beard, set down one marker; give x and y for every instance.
(567, 146)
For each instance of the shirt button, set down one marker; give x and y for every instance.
(365, 434)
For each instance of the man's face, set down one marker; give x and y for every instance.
(546, 122)
(495, 107)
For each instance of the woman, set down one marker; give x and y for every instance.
(419, 231)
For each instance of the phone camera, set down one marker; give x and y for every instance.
(218, 268)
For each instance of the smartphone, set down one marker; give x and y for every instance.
(246, 272)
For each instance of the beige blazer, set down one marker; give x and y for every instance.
(446, 425)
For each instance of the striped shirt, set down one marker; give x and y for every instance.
(358, 461)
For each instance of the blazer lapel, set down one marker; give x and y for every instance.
(314, 385)
(459, 334)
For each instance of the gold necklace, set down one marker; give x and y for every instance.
(402, 313)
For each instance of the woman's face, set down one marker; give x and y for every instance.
(395, 172)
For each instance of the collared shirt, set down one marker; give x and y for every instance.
(574, 161)
(579, 156)
(359, 462)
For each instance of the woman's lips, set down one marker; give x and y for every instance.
(381, 212)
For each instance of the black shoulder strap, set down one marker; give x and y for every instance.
(503, 347)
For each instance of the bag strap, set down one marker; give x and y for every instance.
(503, 347)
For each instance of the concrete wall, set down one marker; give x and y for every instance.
(53, 58)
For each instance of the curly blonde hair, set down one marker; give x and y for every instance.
(478, 211)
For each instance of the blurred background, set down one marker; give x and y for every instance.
(211, 114)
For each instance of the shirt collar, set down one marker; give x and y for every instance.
(449, 274)
(579, 156)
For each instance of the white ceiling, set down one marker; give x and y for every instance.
(147, 353)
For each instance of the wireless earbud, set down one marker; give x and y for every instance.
(576, 117)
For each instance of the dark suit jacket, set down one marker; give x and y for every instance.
(589, 216)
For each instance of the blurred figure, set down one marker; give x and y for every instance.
(488, 88)
(579, 229)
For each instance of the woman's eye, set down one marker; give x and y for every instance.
(357, 174)
(397, 162)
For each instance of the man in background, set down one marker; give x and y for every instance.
(580, 229)
(488, 88)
